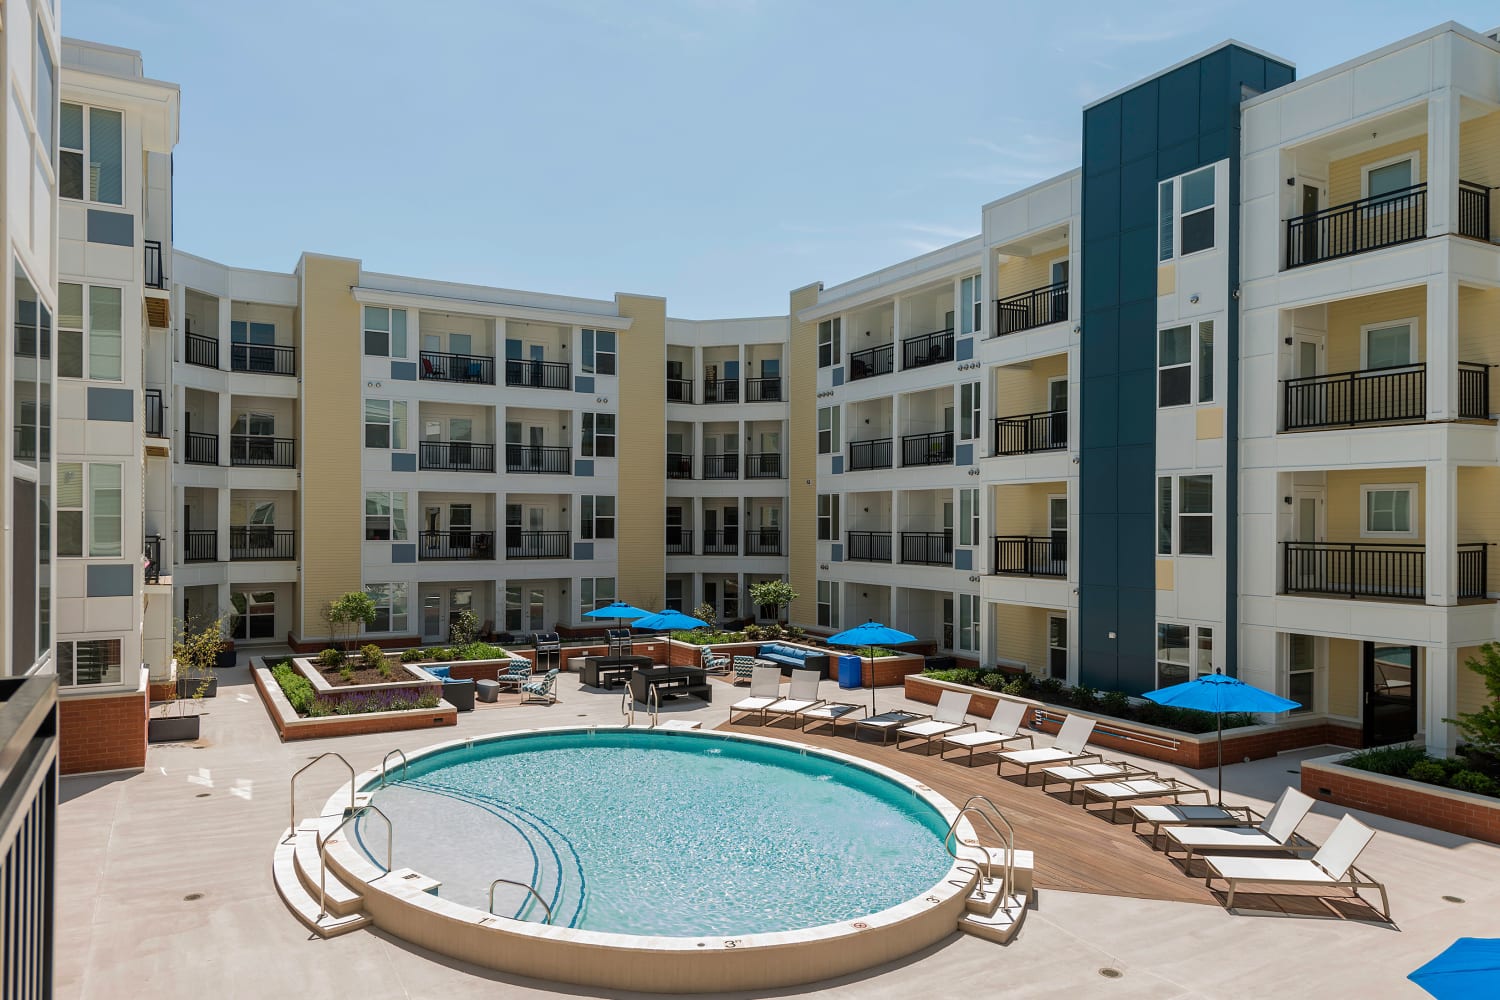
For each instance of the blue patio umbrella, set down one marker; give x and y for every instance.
(1219, 694)
(871, 633)
(669, 621)
(1469, 967)
(618, 610)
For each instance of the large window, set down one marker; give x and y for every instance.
(1388, 345)
(254, 614)
(69, 512)
(968, 622)
(598, 519)
(89, 661)
(1302, 675)
(1194, 520)
(390, 606)
(1388, 510)
(90, 157)
(828, 430)
(830, 342)
(599, 435)
(828, 517)
(102, 320)
(385, 517)
(1174, 366)
(968, 517)
(828, 604)
(599, 352)
(971, 306)
(512, 607)
(1390, 178)
(106, 513)
(968, 411)
(385, 424)
(595, 593)
(1185, 214)
(385, 332)
(1180, 654)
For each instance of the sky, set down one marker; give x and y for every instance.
(716, 152)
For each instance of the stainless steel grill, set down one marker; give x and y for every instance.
(548, 650)
(620, 642)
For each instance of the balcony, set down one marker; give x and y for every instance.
(1027, 555)
(721, 542)
(200, 546)
(262, 359)
(1028, 310)
(927, 548)
(456, 456)
(873, 454)
(460, 544)
(537, 544)
(1382, 220)
(679, 465)
(200, 351)
(874, 361)
(1393, 395)
(437, 366)
(261, 542)
(551, 460)
(154, 414)
(679, 390)
(927, 449)
(679, 541)
(156, 275)
(763, 542)
(763, 390)
(1387, 570)
(868, 546)
(763, 465)
(1029, 433)
(151, 552)
(721, 390)
(202, 449)
(539, 374)
(267, 452)
(721, 466)
(928, 349)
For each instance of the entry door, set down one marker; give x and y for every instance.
(513, 528)
(1057, 522)
(1310, 404)
(1057, 646)
(1057, 405)
(432, 615)
(536, 610)
(1307, 512)
(710, 530)
(1311, 196)
(674, 527)
(1390, 693)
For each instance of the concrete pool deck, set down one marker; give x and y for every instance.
(132, 847)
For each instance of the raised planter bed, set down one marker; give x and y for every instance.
(1448, 809)
(172, 728)
(291, 726)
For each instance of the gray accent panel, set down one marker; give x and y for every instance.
(403, 553)
(404, 371)
(583, 466)
(963, 558)
(583, 383)
(111, 581)
(111, 404)
(583, 550)
(114, 228)
(403, 461)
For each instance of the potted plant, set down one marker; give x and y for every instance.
(179, 728)
(198, 653)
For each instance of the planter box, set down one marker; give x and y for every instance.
(186, 686)
(172, 729)
(228, 657)
(1448, 809)
(290, 726)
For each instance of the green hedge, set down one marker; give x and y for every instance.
(298, 689)
(1468, 772)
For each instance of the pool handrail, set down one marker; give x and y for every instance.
(386, 758)
(627, 707)
(1007, 883)
(524, 885)
(653, 702)
(292, 807)
(323, 842)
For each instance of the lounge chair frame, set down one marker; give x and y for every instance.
(1175, 788)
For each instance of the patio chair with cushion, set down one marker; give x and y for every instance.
(802, 696)
(950, 716)
(1276, 833)
(542, 689)
(1070, 747)
(765, 691)
(1159, 816)
(744, 668)
(1004, 727)
(1116, 792)
(1105, 770)
(715, 663)
(514, 674)
(1332, 866)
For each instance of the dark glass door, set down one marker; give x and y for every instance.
(1390, 693)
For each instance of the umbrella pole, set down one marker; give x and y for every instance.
(1220, 717)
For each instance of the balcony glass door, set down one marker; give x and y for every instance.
(432, 616)
(1057, 646)
(536, 610)
(1057, 523)
(1057, 405)
(1390, 693)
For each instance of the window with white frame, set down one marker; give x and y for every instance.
(1194, 517)
(828, 430)
(731, 604)
(513, 608)
(1302, 671)
(390, 606)
(385, 517)
(828, 604)
(1206, 361)
(971, 306)
(598, 519)
(1388, 345)
(595, 593)
(599, 435)
(99, 354)
(1174, 653)
(828, 517)
(385, 332)
(85, 662)
(968, 517)
(1166, 219)
(385, 424)
(90, 156)
(1174, 366)
(968, 411)
(674, 594)
(1388, 180)
(830, 342)
(68, 509)
(106, 511)
(1185, 214)
(1388, 510)
(599, 352)
(968, 622)
(254, 614)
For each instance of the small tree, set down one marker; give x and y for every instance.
(776, 594)
(196, 651)
(347, 615)
(463, 628)
(1482, 728)
(705, 613)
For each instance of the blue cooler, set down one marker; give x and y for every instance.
(850, 671)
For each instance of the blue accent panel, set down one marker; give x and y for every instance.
(114, 228)
(1138, 108)
(965, 349)
(583, 550)
(963, 454)
(838, 465)
(963, 559)
(1101, 139)
(583, 383)
(583, 466)
(1098, 416)
(404, 371)
(111, 581)
(403, 553)
(1137, 324)
(1101, 203)
(1137, 425)
(1103, 288)
(1178, 103)
(1137, 213)
(1177, 160)
(837, 553)
(838, 376)
(111, 404)
(403, 461)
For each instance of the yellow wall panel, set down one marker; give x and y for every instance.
(1023, 274)
(641, 567)
(1479, 513)
(1344, 499)
(1347, 316)
(1021, 636)
(1345, 177)
(1344, 677)
(1478, 321)
(1479, 150)
(1166, 279)
(1210, 423)
(1166, 574)
(1023, 388)
(1022, 509)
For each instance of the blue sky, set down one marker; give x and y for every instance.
(716, 152)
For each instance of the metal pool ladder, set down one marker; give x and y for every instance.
(524, 885)
(974, 806)
(323, 851)
(386, 758)
(627, 706)
(292, 808)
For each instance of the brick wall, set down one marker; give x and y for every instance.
(102, 733)
(1465, 814)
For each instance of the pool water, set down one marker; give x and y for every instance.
(668, 835)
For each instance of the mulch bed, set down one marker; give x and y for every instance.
(368, 675)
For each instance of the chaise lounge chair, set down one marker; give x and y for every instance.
(1158, 816)
(1277, 832)
(765, 691)
(831, 712)
(950, 716)
(1332, 866)
(1073, 775)
(802, 695)
(1070, 747)
(1116, 792)
(1004, 727)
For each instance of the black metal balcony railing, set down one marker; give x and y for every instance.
(437, 366)
(537, 544)
(1381, 220)
(1027, 433)
(679, 541)
(1474, 210)
(1473, 390)
(763, 390)
(1388, 570)
(460, 544)
(721, 542)
(1028, 310)
(155, 415)
(1029, 555)
(873, 454)
(868, 546)
(256, 541)
(202, 449)
(927, 349)
(679, 390)
(763, 541)
(200, 545)
(554, 460)
(263, 359)
(721, 390)
(927, 548)
(927, 449)
(1360, 397)
(252, 449)
(872, 361)
(151, 549)
(763, 465)
(539, 374)
(679, 465)
(721, 466)
(25, 443)
(156, 277)
(201, 351)
(456, 456)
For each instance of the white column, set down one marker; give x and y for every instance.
(225, 402)
(222, 521)
(1440, 698)
(898, 522)
(1442, 348)
(1442, 162)
(1441, 520)
(897, 428)
(222, 333)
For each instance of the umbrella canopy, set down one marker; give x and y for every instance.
(670, 621)
(1219, 694)
(871, 633)
(619, 609)
(1470, 967)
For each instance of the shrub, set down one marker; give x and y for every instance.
(708, 637)
(705, 613)
(346, 672)
(1116, 703)
(479, 651)
(1430, 771)
(1049, 688)
(412, 655)
(360, 702)
(298, 689)
(330, 657)
(994, 681)
(1018, 687)
(1473, 781)
(463, 628)
(1085, 697)
(373, 656)
(1396, 761)
(776, 594)
(958, 676)
(757, 632)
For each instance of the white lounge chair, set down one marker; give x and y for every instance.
(1074, 774)
(1116, 792)
(765, 691)
(1158, 816)
(831, 712)
(949, 717)
(1070, 747)
(1332, 866)
(1004, 727)
(802, 695)
(1277, 832)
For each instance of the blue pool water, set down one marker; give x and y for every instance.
(669, 835)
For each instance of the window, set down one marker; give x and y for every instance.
(512, 608)
(1391, 178)
(1195, 515)
(968, 517)
(830, 342)
(971, 306)
(254, 615)
(89, 661)
(390, 606)
(595, 593)
(1165, 220)
(1163, 515)
(1173, 654)
(599, 352)
(599, 435)
(69, 330)
(1206, 361)
(968, 411)
(828, 430)
(1197, 211)
(674, 594)
(106, 514)
(1388, 345)
(91, 136)
(385, 332)
(103, 323)
(731, 605)
(828, 604)
(828, 517)
(69, 510)
(598, 517)
(1388, 510)
(1205, 663)
(1301, 685)
(385, 517)
(385, 424)
(968, 622)
(1174, 367)
(45, 91)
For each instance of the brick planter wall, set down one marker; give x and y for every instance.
(102, 732)
(290, 727)
(1449, 809)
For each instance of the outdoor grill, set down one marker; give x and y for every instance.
(548, 650)
(620, 644)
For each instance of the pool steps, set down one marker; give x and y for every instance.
(298, 890)
(989, 915)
